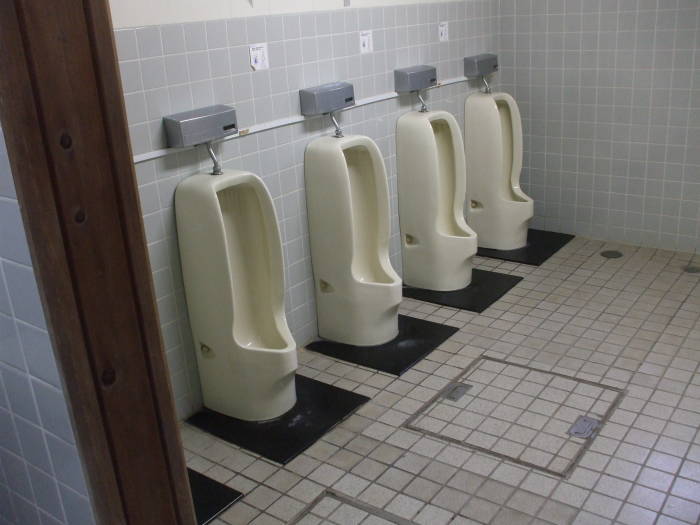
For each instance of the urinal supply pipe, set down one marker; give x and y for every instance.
(217, 165)
(487, 87)
(338, 130)
(423, 105)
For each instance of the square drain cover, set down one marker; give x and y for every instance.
(536, 418)
(584, 427)
(457, 391)
(337, 509)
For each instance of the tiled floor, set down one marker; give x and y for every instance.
(630, 323)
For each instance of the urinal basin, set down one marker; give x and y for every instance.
(497, 208)
(347, 194)
(437, 243)
(234, 282)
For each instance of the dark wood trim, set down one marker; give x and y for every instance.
(63, 116)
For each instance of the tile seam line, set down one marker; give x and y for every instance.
(284, 122)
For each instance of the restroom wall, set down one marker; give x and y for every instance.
(610, 97)
(133, 13)
(176, 67)
(41, 477)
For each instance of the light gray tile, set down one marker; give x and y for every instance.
(195, 36)
(8, 434)
(53, 412)
(38, 352)
(19, 394)
(149, 42)
(13, 243)
(33, 445)
(67, 464)
(46, 493)
(153, 73)
(127, 46)
(77, 508)
(173, 39)
(217, 36)
(10, 349)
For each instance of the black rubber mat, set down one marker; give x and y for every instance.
(318, 409)
(541, 245)
(416, 339)
(210, 497)
(485, 289)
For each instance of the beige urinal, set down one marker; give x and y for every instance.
(497, 209)
(437, 243)
(357, 290)
(234, 281)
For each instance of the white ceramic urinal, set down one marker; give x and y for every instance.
(497, 209)
(437, 243)
(347, 193)
(234, 281)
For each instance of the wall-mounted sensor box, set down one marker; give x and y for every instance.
(327, 98)
(415, 78)
(480, 65)
(200, 126)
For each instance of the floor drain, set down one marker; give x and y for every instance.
(611, 254)
(584, 427)
(457, 392)
(692, 269)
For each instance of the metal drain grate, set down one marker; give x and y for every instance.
(611, 254)
(457, 392)
(692, 269)
(584, 427)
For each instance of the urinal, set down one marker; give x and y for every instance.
(497, 209)
(357, 290)
(437, 243)
(234, 283)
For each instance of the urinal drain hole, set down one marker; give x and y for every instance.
(325, 287)
(475, 205)
(206, 350)
(611, 254)
(411, 240)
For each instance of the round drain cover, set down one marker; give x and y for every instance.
(692, 269)
(611, 254)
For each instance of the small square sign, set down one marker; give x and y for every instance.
(444, 31)
(366, 42)
(259, 58)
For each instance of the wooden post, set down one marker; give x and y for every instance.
(64, 122)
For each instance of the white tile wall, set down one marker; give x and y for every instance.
(172, 68)
(41, 477)
(610, 96)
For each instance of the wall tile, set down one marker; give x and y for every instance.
(13, 243)
(24, 294)
(619, 63)
(33, 445)
(52, 409)
(19, 394)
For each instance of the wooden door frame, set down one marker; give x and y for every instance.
(65, 127)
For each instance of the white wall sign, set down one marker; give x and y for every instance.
(259, 58)
(444, 31)
(366, 42)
